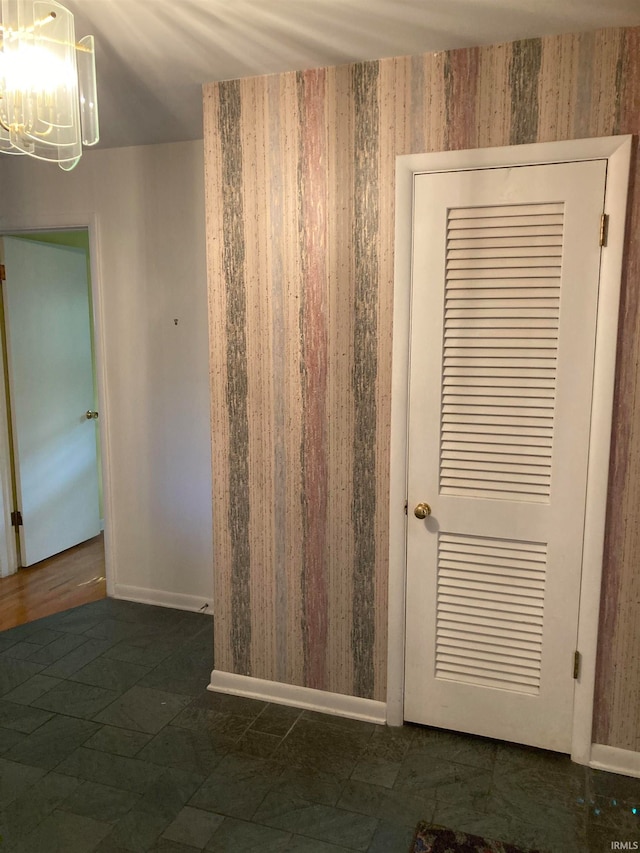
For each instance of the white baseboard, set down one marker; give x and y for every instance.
(615, 760)
(164, 599)
(298, 697)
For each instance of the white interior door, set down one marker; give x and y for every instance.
(51, 389)
(504, 304)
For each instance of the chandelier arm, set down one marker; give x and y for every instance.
(50, 17)
(42, 134)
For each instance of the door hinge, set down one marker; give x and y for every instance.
(3, 273)
(604, 228)
(16, 518)
(406, 507)
(577, 658)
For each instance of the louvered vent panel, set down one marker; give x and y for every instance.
(502, 304)
(490, 610)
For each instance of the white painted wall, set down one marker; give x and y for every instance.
(147, 204)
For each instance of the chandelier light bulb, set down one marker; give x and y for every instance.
(48, 101)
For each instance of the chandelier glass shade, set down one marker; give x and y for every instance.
(48, 102)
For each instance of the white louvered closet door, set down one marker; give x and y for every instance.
(504, 305)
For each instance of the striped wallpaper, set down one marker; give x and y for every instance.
(300, 222)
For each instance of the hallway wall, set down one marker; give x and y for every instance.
(149, 203)
(300, 227)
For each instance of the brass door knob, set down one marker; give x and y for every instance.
(422, 510)
(89, 415)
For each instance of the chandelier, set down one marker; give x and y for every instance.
(48, 103)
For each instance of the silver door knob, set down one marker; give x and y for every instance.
(91, 416)
(422, 510)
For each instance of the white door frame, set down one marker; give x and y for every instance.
(617, 151)
(90, 221)
(8, 549)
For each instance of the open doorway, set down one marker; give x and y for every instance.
(51, 541)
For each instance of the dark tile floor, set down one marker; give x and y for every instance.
(110, 742)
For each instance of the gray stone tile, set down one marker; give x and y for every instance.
(134, 611)
(193, 827)
(148, 655)
(234, 706)
(527, 787)
(15, 672)
(389, 838)
(115, 608)
(258, 744)
(115, 770)
(181, 673)
(16, 778)
(435, 744)
(20, 632)
(32, 689)
(138, 830)
(235, 835)
(143, 709)
(52, 742)
(111, 674)
(511, 758)
(341, 722)
(552, 837)
(29, 809)
(276, 720)
(324, 788)
(115, 630)
(165, 845)
(76, 700)
(22, 718)
(71, 663)
(109, 846)
(21, 651)
(323, 765)
(613, 786)
(600, 840)
(390, 743)
(194, 751)
(73, 621)
(324, 747)
(100, 802)
(227, 729)
(300, 844)
(610, 812)
(325, 823)
(118, 741)
(236, 787)
(551, 832)
(60, 647)
(43, 636)
(376, 771)
(62, 832)
(393, 807)
(10, 738)
(451, 782)
(171, 791)
(6, 642)
(160, 805)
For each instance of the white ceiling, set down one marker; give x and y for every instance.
(153, 55)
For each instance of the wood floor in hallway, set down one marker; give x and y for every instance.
(76, 576)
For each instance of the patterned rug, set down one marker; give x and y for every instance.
(437, 839)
